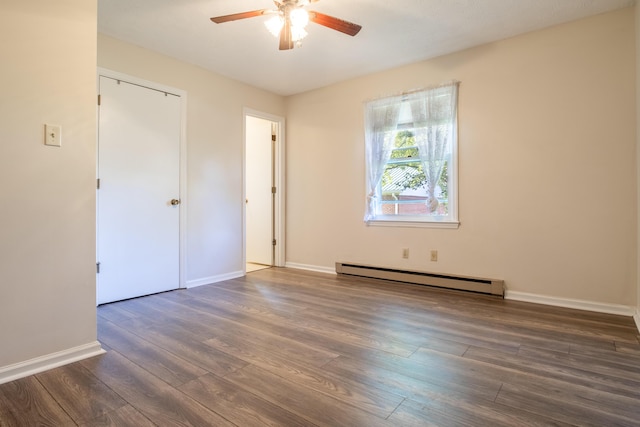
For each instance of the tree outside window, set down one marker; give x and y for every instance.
(404, 185)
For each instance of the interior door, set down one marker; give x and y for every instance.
(139, 191)
(259, 182)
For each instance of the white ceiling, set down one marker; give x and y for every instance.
(394, 33)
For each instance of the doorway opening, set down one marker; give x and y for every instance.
(263, 191)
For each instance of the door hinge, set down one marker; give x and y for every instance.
(99, 99)
(273, 190)
(97, 268)
(98, 183)
(273, 242)
(273, 138)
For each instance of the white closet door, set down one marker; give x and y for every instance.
(139, 172)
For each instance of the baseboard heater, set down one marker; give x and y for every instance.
(465, 283)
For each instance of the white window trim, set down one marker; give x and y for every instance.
(411, 222)
(429, 221)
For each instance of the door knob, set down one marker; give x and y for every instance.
(175, 202)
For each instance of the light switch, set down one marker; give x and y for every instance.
(53, 135)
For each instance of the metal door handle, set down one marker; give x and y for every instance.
(175, 202)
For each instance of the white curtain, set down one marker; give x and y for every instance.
(434, 121)
(381, 121)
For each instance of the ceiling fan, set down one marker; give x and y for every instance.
(289, 21)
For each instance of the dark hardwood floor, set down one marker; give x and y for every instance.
(292, 348)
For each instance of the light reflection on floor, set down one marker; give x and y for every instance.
(251, 266)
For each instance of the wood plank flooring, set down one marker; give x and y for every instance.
(285, 347)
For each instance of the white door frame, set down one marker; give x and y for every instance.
(279, 173)
(183, 156)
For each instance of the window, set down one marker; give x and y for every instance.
(411, 145)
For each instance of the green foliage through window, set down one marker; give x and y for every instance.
(404, 170)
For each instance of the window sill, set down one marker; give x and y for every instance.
(412, 223)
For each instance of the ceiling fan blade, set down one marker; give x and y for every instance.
(334, 23)
(242, 15)
(286, 41)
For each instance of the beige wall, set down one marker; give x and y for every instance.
(214, 143)
(547, 166)
(47, 232)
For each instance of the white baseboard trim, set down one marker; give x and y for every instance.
(621, 310)
(49, 361)
(636, 317)
(213, 279)
(316, 268)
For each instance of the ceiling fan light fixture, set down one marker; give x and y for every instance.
(274, 25)
(298, 33)
(299, 18)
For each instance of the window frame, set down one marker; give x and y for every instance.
(450, 221)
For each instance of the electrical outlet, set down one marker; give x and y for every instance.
(405, 253)
(434, 256)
